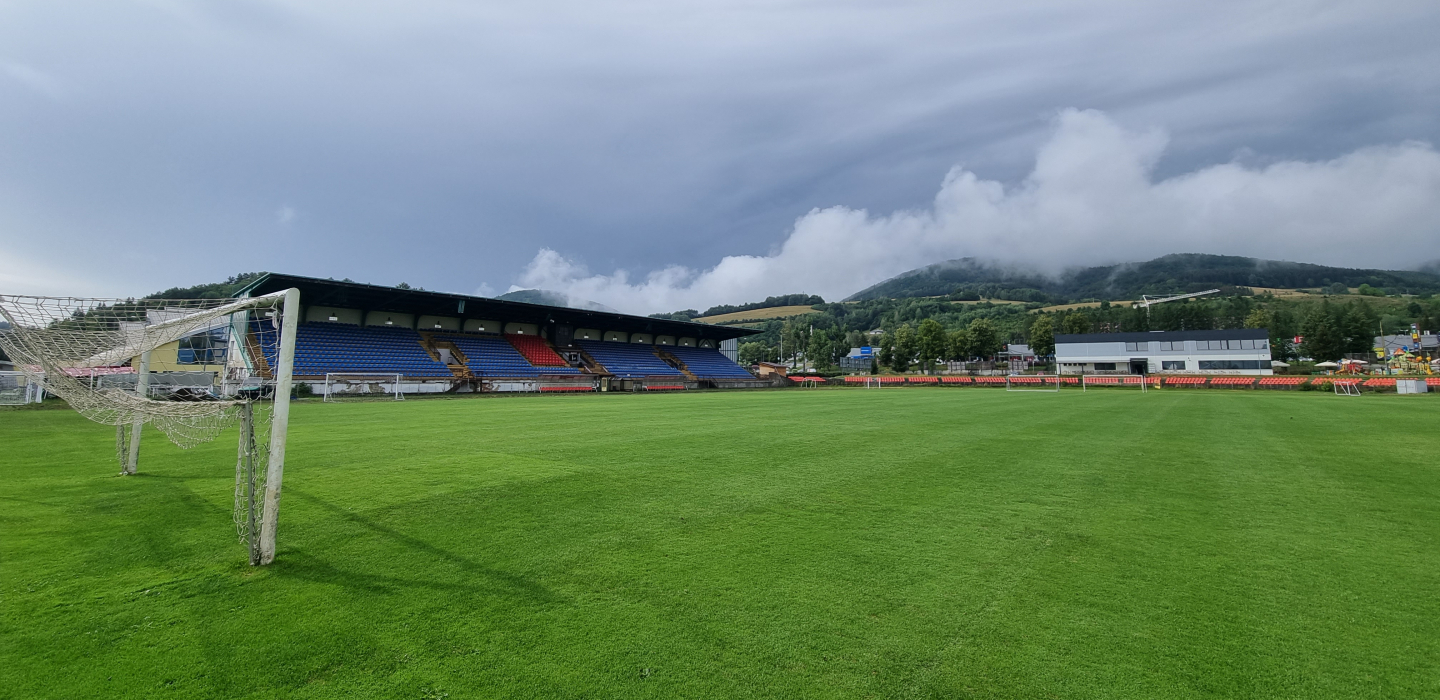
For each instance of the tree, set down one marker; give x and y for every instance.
(887, 349)
(905, 348)
(958, 345)
(1259, 318)
(1368, 291)
(1075, 323)
(1323, 341)
(820, 350)
(1042, 335)
(931, 341)
(984, 340)
(751, 353)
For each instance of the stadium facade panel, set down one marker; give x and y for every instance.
(1234, 351)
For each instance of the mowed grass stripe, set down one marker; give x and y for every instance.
(828, 543)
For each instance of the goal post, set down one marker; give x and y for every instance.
(1032, 382)
(1115, 381)
(70, 346)
(343, 385)
(16, 389)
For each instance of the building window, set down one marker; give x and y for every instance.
(206, 348)
(1172, 346)
(1137, 347)
(1104, 366)
(1173, 365)
(1232, 364)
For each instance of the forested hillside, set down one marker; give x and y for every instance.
(958, 330)
(1171, 274)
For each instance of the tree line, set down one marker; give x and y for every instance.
(908, 333)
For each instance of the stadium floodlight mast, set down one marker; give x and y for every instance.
(1147, 301)
(60, 343)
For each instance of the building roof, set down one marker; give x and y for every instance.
(370, 297)
(1171, 336)
(1394, 342)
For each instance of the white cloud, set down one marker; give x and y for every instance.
(284, 215)
(1091, 198)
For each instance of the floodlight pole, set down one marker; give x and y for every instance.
(280, 422)
(142, 388)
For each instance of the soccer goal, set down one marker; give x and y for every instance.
(86, 351)
(1118, 381)
(1032, 382)
(16, 389)
(363, 385)
(1346, 388)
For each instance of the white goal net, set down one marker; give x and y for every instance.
(1032, 382)
(16, 389)
(363, 385)
(97, 355)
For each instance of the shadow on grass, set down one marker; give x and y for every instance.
(302, 565)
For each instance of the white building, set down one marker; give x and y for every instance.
(1239, 351)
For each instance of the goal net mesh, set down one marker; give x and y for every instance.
(82, 350)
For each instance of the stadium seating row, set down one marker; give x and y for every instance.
(1092, 380)
(708, 363)
(629, 360)
(322, 348)
(536, 350)
(494, 356)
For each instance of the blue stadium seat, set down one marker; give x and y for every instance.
(708, 363)
(629, 360)
(322, 348)
(490, 355)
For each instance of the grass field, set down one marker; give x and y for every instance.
(759, 314)
(910, 543)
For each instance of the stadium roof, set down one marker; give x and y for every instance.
(1230, 334)
(370, 297)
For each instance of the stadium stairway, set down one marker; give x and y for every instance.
(677, 363)
(628, 360)
(459, 365)
(590, 364)
(322, 348)
(708, 364)
(256, 349)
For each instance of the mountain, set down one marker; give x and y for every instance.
(549, 298)
(1170, 274)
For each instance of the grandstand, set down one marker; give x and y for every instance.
(437, 342)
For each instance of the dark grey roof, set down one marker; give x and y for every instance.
(1392, 342)
(370, 297)
(1231, 334)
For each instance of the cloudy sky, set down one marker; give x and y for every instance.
(664, 155)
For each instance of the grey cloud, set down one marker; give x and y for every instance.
(446, 142)
(1091, 198)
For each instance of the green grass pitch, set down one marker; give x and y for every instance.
(902, 543)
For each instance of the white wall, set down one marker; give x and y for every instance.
(380, 318)
(1076, 357)
(439, 323)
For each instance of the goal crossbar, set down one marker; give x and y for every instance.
(61, 344)
(340, 384)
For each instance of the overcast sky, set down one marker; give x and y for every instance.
(662, 155)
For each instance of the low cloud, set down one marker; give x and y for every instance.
(1091, 198)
